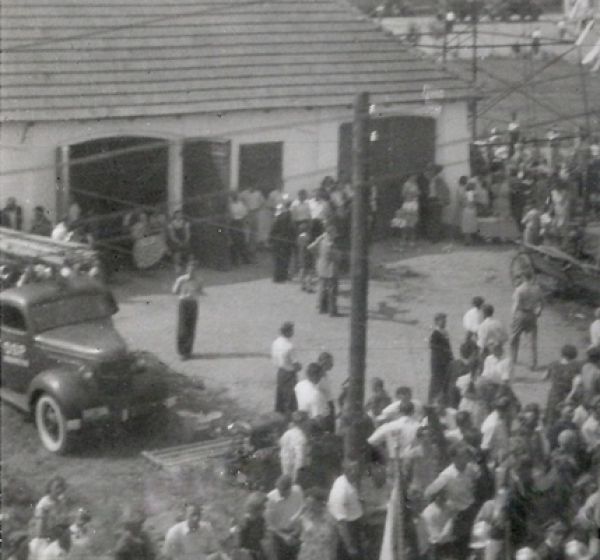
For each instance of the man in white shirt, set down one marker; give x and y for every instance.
(283, 506)
(490, 331)
(398, 434)
(192, 538)
(403, 395)
(459, 480)
(595, 330)
(496, 367)
(293, 446)
(254, 201)
(495, 434)
(301, 209)
(473, 317)
(438, 522)
(284, 359)
(345, 507)
(310, 397)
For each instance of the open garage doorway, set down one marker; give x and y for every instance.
(116, 174)
(110, 179)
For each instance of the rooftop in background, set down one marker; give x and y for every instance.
(87, 59)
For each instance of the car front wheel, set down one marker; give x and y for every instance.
(52, 425)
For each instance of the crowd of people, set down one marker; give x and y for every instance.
(484, 475)
(517, 188)
(481, 474)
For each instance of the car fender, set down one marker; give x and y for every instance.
(64, 383)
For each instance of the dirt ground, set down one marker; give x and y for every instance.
(239, 317)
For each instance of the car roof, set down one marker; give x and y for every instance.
(50, 290)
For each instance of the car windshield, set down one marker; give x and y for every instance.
(70, 311)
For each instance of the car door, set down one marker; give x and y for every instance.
(16, 348)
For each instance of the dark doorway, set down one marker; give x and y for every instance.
(206, 166)
(110, 177)
(404, 145)
(261, 165)
(111, 174)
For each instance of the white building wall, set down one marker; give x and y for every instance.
(310, 145)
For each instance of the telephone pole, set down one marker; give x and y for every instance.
(474, 20)
(359, 273)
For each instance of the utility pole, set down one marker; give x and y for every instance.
(359, 273)
(474, 20)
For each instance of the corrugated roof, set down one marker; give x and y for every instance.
(79, 59)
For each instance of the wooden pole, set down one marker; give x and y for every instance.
(359, 272)
(474, 69)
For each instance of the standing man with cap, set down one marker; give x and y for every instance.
(441, 357)
(284, 359)
(527, 306)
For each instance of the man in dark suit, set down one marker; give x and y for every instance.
(441, 357)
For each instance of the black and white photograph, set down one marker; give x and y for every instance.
(300, 279)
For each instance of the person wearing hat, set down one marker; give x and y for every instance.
(188, 287)
(284, 358)
(555, 532)
(441, 357)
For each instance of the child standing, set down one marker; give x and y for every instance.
(305, 258)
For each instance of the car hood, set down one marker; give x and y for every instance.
(98, 340)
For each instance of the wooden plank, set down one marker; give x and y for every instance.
(191, 453)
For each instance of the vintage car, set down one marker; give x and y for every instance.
(65, 364)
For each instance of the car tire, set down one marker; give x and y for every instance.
(51, 424)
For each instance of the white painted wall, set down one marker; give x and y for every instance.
(310, 139)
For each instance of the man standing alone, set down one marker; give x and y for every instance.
(284, 359)
(188, 287)
(527, 306)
